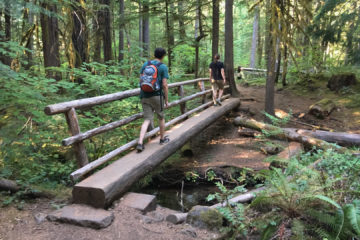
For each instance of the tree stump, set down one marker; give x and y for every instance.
(323, 108)
(338, 81)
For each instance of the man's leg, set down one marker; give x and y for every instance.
(221, 92)
(144, 128)
(214, 90)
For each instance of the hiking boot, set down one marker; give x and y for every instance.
(218, 101)
(140, 148)
(165, 140)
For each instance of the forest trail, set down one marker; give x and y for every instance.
(221, 146)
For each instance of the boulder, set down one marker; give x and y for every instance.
(143, 202)
(82, 215)
(205, 217)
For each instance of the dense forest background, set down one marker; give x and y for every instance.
(53, 51)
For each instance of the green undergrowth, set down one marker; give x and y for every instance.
(300, 200)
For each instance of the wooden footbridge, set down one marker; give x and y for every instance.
(106, 185)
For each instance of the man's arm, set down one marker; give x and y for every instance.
(210, 72)
(166, 91)
(223, 74)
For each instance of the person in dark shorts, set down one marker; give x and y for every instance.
(217, 77)
(154, 95)
(240, 73)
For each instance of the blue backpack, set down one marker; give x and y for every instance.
(149, 81)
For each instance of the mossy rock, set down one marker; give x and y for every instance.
(205, 218)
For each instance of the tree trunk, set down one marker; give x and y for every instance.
(215, 27)
(7, 27)
(197, 35)
(182, 32)
(80, 34)
(168, 34)
(107, 43)
(121, 31)
(278, 64)
(146, 31)
(285, 65)
(271, 58)
(259, 46)
(97, 23)
(50, 39)
(254, 38)
(229, 48)
(141, 29)
(27, 39)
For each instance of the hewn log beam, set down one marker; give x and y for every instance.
(108, 184)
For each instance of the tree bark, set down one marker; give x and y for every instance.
(254, 38)
(7, 28)
(50, 39)
(80, 34)
(140, 29)
(27, 40)
(259, 46)
(182, 32)
(271, 58)
(107, 43)
(229, 48)
(146, 31)
(97, 23)
(169, 33)
(285, 65)
(121, 31)
(215, 27)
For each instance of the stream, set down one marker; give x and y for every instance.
(170, 196)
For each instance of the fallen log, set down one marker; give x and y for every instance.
(323, 108)
(13, 187)
(246, 132)
(282, 134)
(341, 138)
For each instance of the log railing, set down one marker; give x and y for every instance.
(77, 138)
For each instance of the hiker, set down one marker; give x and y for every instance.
(154, 95)
(240, 73)
(217, 77)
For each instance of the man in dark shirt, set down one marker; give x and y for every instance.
(217, 77)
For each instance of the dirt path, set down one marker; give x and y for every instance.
(128, 224)
(220, 144)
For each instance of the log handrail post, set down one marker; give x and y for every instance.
(181, 94)
(79, 148)
(202, 88)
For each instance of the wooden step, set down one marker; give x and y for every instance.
(102, 188)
